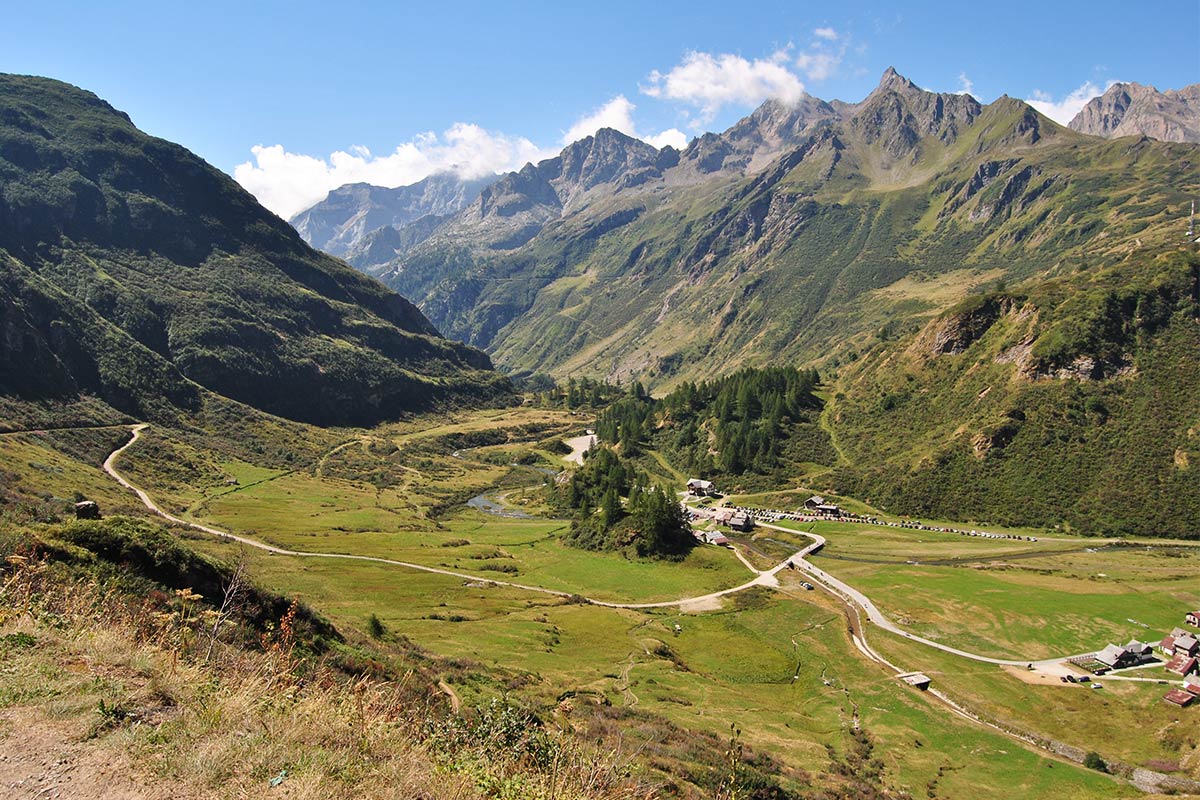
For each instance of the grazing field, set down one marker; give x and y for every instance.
(1015, 599)
(778, 664)
(1124, 721)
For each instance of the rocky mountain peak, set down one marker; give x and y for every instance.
(899, 114)
(1131, 109)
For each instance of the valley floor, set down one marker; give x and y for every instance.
(758, 650)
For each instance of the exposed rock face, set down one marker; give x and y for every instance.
(1131, 109)
(899, 114)
(339, 223)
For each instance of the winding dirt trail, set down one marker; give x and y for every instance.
(110, 467)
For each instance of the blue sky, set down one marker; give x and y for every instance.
(399, 89)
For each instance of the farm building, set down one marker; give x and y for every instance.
(1186, 644)
(918, 679)
(1180, 698)
(699, 488)
(829, 510)
(1192, 683)
(1193, 618)
(1181, 664)
(1131, 655)
(741, 522)
(814, 501)
(712, 537)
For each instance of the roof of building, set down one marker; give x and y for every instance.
(1137, 647)
(1179, 697)
(816, 499)
(1167, 642)
(1187, 642)
(916, 679)
(1182, 664)
(1192, 683)
(1111, 654)
(699, 483)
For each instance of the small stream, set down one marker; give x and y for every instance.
(489, 506)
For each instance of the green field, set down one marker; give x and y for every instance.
(778, 664)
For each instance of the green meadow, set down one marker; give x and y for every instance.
(777, 664)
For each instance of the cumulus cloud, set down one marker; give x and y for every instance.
(287, 183)
(818, 65)
(710, 82)
(1064, 110)
(823, 56)
(618, 114)
(671, 136)
(965, 85)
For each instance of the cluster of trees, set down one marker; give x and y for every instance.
(729, 426)
(649, 524)
(582, 393)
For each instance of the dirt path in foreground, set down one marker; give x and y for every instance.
(46, 759)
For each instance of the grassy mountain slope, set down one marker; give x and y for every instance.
(889, 213)
(1075, 404)
(134, 271)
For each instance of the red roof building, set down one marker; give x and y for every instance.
(1180, 698)
(1181, 664)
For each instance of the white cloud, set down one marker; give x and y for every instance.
(709, 82)
(965, 85)
(1064, 110)
(826, 33)
(671, 136)
(616, 113)
(819, 65)
(287, 183)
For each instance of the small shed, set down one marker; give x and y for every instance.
(1180, 698)
(1181, 664)
(917, 679)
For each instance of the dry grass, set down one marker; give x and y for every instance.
(132, 679)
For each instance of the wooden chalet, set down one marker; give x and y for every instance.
(699, 488)
(1192, 618)
(1180, 698)
(741, 522)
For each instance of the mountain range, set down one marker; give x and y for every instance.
(136, 273)
(1131, 109)
(358, 216)
(797, 234)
